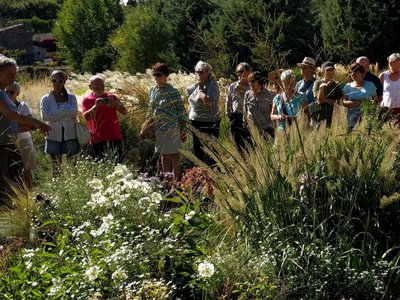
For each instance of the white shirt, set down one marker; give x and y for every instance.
(59, 115)
(23, 109)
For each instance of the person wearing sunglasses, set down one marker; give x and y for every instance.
(327, 92)
(11, 122)
(234, 103)
(204, 116)
(357, 92)
(257, 105)
(24, 139)
(166, 107)
(101, 109)
(60, 110)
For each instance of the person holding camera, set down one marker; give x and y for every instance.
(100, 109)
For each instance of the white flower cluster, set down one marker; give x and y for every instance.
(105, 227)
(206, 269)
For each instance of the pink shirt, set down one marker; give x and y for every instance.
(104, 126)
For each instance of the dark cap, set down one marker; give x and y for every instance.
(328, 65)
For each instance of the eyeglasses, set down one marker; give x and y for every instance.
(199, 72)
(57, 80)
(157, 74)
(11, 92)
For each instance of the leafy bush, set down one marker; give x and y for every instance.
(97, 60)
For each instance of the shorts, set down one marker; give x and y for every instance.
(28, 153)
(70, 147)
(168, 141)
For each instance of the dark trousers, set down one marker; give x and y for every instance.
(105, 149)
(10, 171)
(237, 129)
(211, 128)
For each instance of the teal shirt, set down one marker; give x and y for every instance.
(292, 107)
(166, 105)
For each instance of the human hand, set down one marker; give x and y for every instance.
(43, 127)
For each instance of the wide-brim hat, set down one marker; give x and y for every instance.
(307, 62)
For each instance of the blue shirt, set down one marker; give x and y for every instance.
(365, 93)
(306, 87)
(8, 128)
(291, 108)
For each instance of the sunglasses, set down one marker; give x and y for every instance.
(11, 92)
(157, 74)
(199, 72)
(57, 80)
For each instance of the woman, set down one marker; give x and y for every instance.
(10, 122)
(391, 84)
(166, 106)
(203, 97)
(24, 139)
(60, 110)
(357, 92)
(287, 104)
(234, 102)
(327, 92)
(258, 105)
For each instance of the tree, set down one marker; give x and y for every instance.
(143, 39)
(85, 25)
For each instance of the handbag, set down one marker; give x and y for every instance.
(148, 131)
(82, 134)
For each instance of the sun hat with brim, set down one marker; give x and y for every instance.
(393, 57)
(328, 65)
(307, 62)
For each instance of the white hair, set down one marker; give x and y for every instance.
(95, 77)
(287, 75)
(203, 66)
(7, 62)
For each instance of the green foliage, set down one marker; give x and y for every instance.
(99, 59)
(367, 28)
(38, 25)
(142, 40)
(29, 9)
(85, 25)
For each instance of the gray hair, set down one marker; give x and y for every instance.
(94, 78)
(7, 62)
(14, 87)
(245, 66)
(203, 66)
(287, 75)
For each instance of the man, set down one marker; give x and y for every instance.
(305, 85)
(364, 61)
(234, 102)
(100, 109)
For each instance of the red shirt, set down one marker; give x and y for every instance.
(104, 126)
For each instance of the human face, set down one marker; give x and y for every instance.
(58, 83)
(329, 73)
(254, 85)
(243, 75)
(160, 78)
(7, 76)
(395, 66)
(97, 87)
(357, 76)
(202, 75)
(306, 72)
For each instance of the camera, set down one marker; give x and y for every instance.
(106, 100)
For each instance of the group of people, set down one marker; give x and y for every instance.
(59, 114)
(252, 99)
